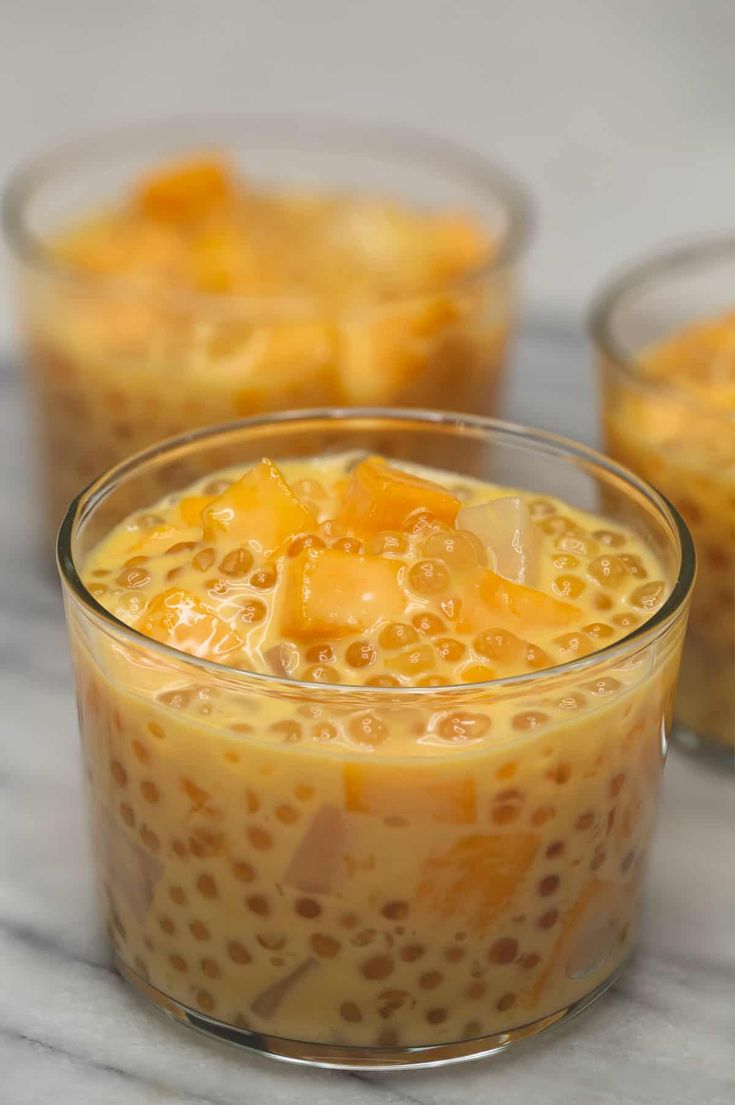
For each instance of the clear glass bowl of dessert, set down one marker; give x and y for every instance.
(180, 275)
(665, 335)
(374, 709)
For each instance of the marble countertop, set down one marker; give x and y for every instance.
(72, 1032)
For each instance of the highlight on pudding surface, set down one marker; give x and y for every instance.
(205, 292)
(373, 847)
(673, 420)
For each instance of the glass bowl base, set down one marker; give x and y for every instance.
(340, 1057)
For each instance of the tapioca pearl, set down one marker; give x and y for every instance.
(378, 967)
(506, 1001)
(626, 621)
(258, 904)
(599, 631)
(140, 752)
(118, 772)
(177, 894)
(326, 947)
(579, 544)
(289, 731)
(175, 700)
(436, 1015)
(321, 673)
(97, 589)
(610, 538)
(199, 930)
(238, 953)
(259, 838)
(361, 654)
(559, 773)
(454, 953)
(634, 564)
(476, 990)
(555, 849)
(604, 686)
(597, 860)
(397, 635)
(174, 573)
(303, 792)
(133, 578)
(216, 588)
(461, 726)
(166, 925)
(585, 820)
(428, 623)
(252, 611)
(433, 681)
(568, 587)
(450, 649)
(180, 849)
(608, 571)
(210, 967)
(308, 908)
(571, 645)
(565, 563)
(542, 814)
(304, 541)
(548, 920)
(206, 886)
(264, 578)
(205, 1000)
(323, 653)
(460, 550)
(252, 802)
(324, 731)
(413, 661)
(350, 1012)
(648, 596)
(364, 938)
(411, 952)
(349, 920)
(549, 884)
(476, 673)
(507, 771)
(396, 910)
(429, 980)
(368, 729)
(287, 815)
(127, 814)
(472, 1029)
(150, 839)
(557, 525)
(497, 644)
(388, 1037)
(383, 681)
(178, 963)
(271, 941)
(503, 815)
(149, 791)
(348, 545)
(156, 730)
(572, 701)
(528, 962)
(602, 602)
(203, 560)
(529, 719)
(504, 950)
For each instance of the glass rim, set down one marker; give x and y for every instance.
(651, 629)
(632, 278)
(408, 143)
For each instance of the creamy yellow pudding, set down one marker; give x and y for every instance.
(366, 844)
(674, 422)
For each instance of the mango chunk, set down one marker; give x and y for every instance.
(185, 191)
(475, 879)
(382, 790)
(332, 593)
(520, 608)
(191, 508)
(176, 617)
(260, 507)
(379, 497)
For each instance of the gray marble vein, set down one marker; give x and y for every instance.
(70, 1030)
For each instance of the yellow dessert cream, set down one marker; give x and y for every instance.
(330, 829)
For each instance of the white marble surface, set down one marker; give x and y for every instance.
(71, 1032)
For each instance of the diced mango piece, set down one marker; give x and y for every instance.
(505, 528)
(522, 609)
(178, 618)
(477, 877)
(380, 497)
(185, 191)
(381, 790)
(260, 507)
(191, 508)
(332, 593)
